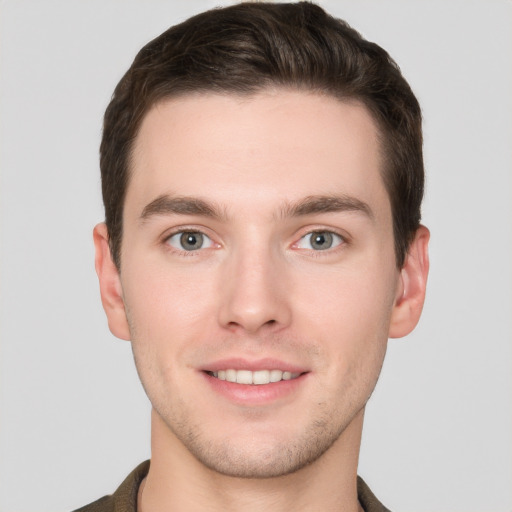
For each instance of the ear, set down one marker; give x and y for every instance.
(110, 284)
(411, 286)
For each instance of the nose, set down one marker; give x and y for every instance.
(253, 292)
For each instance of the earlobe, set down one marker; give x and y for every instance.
(110, 284)
(411, 287)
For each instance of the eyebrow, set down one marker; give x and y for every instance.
(326, 204)
(168, 205)
(310, 205)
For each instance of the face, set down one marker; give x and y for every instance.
(258, 278)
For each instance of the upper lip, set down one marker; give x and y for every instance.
(240, 363)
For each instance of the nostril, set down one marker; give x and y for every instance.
(241, 325)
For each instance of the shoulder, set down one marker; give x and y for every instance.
(105, 504)
(125, 497)
(368, 500)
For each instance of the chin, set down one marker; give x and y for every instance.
(260, 454)
(279, 461)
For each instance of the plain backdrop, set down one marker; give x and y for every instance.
(74, 420)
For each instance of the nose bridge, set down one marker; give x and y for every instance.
(253, 288)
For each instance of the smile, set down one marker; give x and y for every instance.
(259, 377)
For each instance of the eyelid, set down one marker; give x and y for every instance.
(179, 230)
(343, 239)
(207, 242)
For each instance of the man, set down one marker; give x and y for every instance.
(262, 178)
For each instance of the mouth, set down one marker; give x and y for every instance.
(255, 383)
(257, 378)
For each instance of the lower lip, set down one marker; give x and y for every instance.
(255, 394)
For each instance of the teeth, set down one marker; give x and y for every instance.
(259, 377)
(244, 377)
(276, 375)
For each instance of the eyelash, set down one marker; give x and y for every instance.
(343, 241)
(186, 230)
(320, 236)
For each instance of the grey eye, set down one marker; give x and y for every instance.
(320, 240)
(189, 241)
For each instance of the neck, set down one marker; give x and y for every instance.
(178, 481)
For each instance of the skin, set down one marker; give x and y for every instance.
(254, 175)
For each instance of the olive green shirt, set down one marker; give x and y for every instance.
(125, 498)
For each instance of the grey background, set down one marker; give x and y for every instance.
(73, 417)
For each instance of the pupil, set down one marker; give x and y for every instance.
(322, 241)
(191, 241)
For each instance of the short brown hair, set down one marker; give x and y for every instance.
(248, 47)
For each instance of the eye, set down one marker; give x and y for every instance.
(189, 241)
(320, 241)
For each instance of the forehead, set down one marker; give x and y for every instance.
(280, 145)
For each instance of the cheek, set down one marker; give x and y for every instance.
(348, 315)
(165, 299)
(358, 301)
(352, 330)
(162, 324)
(171, 312)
